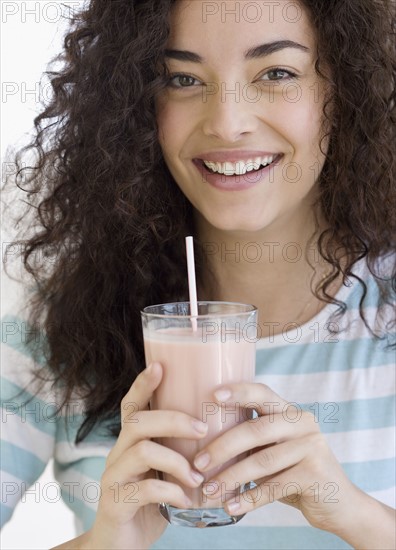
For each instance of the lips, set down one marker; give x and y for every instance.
(240, 167)
(236, 162)
(234, 156)
(236, 182)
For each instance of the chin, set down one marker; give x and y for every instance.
(239, 226)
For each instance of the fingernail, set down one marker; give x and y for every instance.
(197, 477)
(233, 506)
(199, 426)
(222, 394)
(201, 461)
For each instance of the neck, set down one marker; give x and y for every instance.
(273, 269)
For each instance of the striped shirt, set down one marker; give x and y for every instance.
(341, 373)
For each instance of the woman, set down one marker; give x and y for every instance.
(292, 106)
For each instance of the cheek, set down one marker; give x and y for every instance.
(164, 118)
(300, 124)
(163, 125)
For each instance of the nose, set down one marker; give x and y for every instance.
(228, 113)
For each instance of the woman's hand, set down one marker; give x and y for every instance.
(290, 461)
(128, 515)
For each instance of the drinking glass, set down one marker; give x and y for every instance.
(199, 353)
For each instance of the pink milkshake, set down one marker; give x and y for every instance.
(220, 351)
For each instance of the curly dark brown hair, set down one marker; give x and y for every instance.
(106, 206)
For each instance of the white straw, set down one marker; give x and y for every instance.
(192, 285)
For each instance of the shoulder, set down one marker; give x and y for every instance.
(370, 299)
(19, 365)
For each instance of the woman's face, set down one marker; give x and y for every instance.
(244, 94)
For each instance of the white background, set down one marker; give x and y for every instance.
(31, 34)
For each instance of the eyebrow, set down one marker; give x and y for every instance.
(253, 53)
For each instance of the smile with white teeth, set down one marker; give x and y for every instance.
(239, 167)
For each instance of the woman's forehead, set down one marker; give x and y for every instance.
(236, 26)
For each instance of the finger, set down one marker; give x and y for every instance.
(149, 424)
(265, 493)
(153, 424)
(120, 502)
(261, 464)
(289, 486)
(148, 455)
(251, 395)
(141, 391)
(256, 432)
(156, 490)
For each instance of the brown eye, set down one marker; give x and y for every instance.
(182, 81)
(278, 74)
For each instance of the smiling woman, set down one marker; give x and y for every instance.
(256, 132)
(223, 126)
